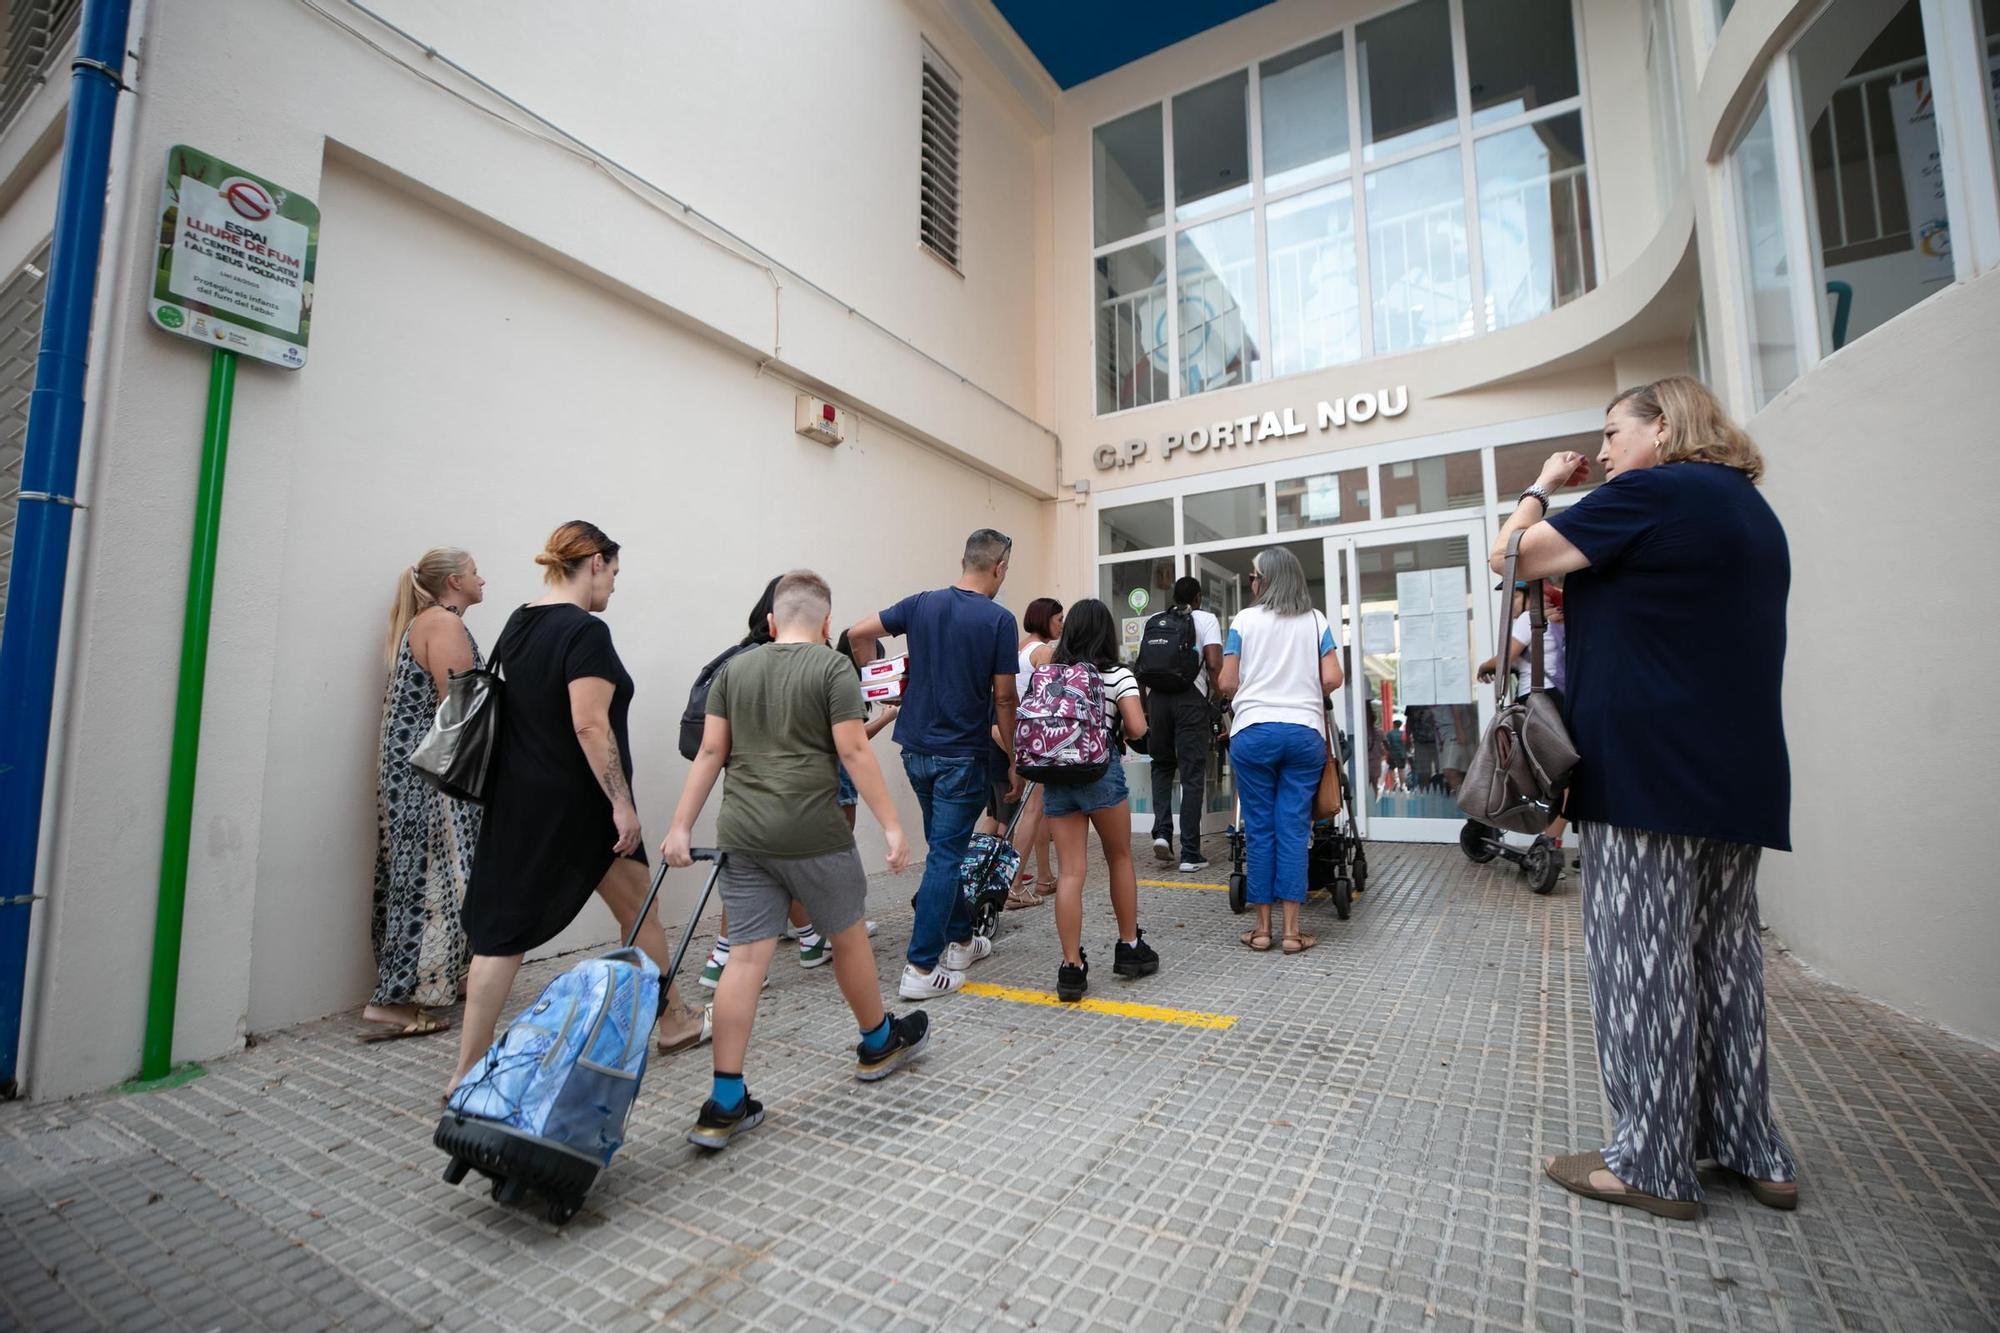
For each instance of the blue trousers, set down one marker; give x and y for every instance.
(951, 791)
(1277, 768)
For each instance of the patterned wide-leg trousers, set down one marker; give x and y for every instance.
(1677, 995)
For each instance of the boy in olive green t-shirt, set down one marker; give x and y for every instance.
(784, 719)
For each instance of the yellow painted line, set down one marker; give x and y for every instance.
(1181, 884)
(1187, 1018)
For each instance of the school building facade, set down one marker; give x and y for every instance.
(1145, 292)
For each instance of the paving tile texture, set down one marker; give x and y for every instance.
(1359, 1151)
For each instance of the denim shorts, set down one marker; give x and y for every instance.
(848, 795)
(1102, 794)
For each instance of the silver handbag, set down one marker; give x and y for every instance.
(456, 754)
(1521, 770)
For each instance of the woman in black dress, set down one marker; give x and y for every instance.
(560, 823)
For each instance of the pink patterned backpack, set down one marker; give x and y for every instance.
(1061, 735)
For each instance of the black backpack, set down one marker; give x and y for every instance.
(694, 718)
(1168, 661)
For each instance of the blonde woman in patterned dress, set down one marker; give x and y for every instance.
(425, 839)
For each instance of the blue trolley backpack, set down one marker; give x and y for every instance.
(546, 1109)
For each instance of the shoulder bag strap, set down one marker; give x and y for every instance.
(1500, 650)
(1538, 619)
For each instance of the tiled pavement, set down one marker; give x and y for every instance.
(1358, 1150)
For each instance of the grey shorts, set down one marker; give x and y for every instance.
(758, 891)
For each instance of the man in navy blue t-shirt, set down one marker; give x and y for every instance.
(964, 651)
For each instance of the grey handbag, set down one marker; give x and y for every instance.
(1524, 760)
(456, 754)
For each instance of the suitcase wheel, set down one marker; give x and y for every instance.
(455, 1169)
(509, 1190)
(562, 1210)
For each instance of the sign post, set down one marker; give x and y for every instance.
(235, 266)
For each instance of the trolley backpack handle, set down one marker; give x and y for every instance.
(1007, 838)
(687, 933)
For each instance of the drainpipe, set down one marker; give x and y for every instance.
(48, 489)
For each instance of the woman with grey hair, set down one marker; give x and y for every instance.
(1279, 663)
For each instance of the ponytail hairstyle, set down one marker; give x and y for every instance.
(1697, 428)
(570, 547)
(419, 588)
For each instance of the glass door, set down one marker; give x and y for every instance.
(1418, 610)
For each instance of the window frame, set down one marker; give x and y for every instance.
(1969, 158)
(1463, 140)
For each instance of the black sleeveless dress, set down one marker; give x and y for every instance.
(546, 838)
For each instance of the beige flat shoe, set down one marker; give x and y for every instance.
(1573, 1174)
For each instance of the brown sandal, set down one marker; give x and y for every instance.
(1250, 937)
(423, 1025)
(1295, 944)
(1023, 895)
(1573, 1174)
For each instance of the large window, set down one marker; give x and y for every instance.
(1877, 195)
(1856, 173)
(1767, 261)
(1416, 178)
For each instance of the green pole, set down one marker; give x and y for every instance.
(156, 1058)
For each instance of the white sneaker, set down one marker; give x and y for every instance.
(1194, 866)
(958, 957)
(1163, 850)
(938, 981)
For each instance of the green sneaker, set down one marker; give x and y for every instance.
(817, 954)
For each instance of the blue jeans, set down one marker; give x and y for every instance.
(1277, 771)
(951, 791)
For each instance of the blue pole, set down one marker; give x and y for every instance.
(48, 490)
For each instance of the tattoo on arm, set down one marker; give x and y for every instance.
(613, 776)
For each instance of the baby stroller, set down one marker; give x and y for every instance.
(1336, 860)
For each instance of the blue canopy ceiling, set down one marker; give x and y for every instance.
(1077, 40)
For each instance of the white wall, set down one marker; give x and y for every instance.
(1883, 471)
(505, 337)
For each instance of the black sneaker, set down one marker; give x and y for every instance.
(1072, 982)
(714, 1128)
(908, 1035)
(1135, 960)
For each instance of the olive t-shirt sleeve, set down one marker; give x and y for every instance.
(718, 694)
(590, 654)
(843, 692)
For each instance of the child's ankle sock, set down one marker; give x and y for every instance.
(878, 1037)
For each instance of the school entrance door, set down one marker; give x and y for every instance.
(1418, 613)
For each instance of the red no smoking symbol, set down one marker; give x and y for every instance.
(249, 199)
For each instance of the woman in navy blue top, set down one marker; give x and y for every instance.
(1677, 573)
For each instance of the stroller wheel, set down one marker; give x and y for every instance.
(1343, 897)
(1239, 893)
(1477, 842)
